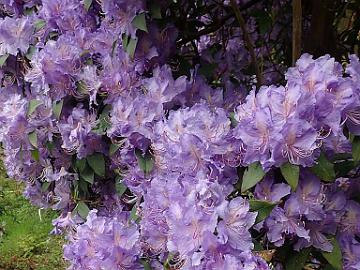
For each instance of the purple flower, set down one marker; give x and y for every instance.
(280, 224)
(268, 191)
(15, 34)
(192, 223)
(297, 143)
(350, 248)
(103, 241)
(162, 88)
(350, 222)
(235, 224)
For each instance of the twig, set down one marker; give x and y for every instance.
(248, 42)
(215, 25)
(296, 34)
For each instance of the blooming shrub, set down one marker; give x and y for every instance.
(159, 151)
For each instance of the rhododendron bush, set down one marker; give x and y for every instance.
(177, 134)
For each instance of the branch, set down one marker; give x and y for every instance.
(296, 34)
(248, 42)
(215, 25)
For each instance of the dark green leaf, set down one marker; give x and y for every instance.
(344, 167)
(131, 47)
(146, 265)
(88, 175)
(82, 209)
(45, 186)
(57, 108)
(120, 188)
(33, 104)
(334, 257)
(257, 245)
(30, 52)
(97, 163)
(3, 59)
(233, 121)
(263, 208)
(329, 267)
(297, 260)
(133, 214)
(113, 46)
(207, 70)
(82, 87)
(33, 139)
(87, 4)
(263, 20)
(324, 169)
(140, 22)
(252, 175)
(80, 164)
(356, 149)
(104, 122)
(35, 155)
(155, 11)
(124, 41)
(145, 162)
(50, 146)
(83, 188)
(29, 11)
(39, 24)
(291, 174)
(113, 148)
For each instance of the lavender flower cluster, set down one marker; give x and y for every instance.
(145, 164)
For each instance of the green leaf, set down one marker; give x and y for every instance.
(3, 59)
(252, 175)
(29, 54)
(291, 174)
(131, 47)
(140, 22)
(87, 4)
(57, 108)
(114, 44)
(120, 188)
(207, 70)
(45, 186)
(80, 164)
(155, 11)
(344, 167)
(82, 209)
(263, 208)
(82, 87)
(133, 214)
(97, 163)
(356, 149)
(324, 169)
(35, 154)
(263, 20)
(124, 41)
(233, 121)
(83, 188)
(257, 245)
(50, 146)
(145, 162)
(297, 260)
(104, 122)
(33, 104)
(33, 139)
(39, 24)
(329, 267)
(146, 265)
(88, 175)
(334, 257)
(113, 148)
